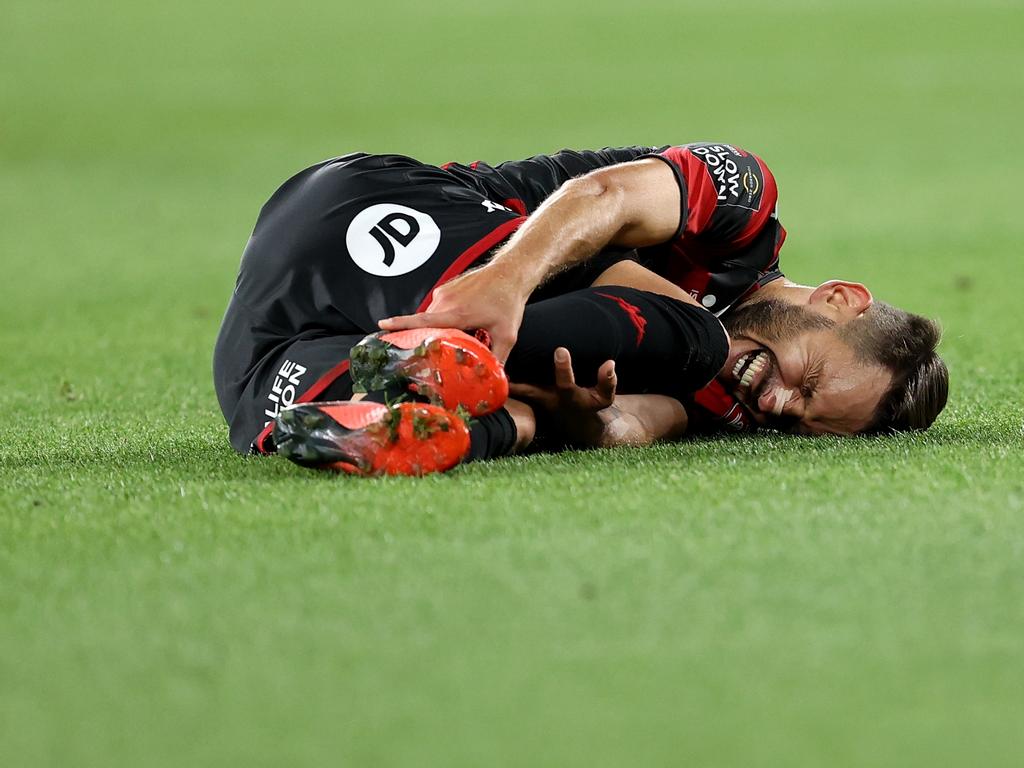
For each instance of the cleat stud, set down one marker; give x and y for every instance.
(423, 426)
(480, 370)
(312, 420)
(460, 356)
(393, 420)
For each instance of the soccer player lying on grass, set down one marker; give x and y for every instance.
(692, 229)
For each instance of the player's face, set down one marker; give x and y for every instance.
(794, 373)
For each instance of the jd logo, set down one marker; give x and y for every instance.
(386, 231)
(388, 240)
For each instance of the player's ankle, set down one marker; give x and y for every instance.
(525, 423)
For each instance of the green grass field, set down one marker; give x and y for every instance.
(735, 602)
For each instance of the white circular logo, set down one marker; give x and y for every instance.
(388, 240)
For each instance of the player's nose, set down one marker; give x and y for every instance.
(778, 400)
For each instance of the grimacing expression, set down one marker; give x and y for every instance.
(789, 367)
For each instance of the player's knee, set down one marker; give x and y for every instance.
(677, 344)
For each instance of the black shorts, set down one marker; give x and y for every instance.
(338, 247)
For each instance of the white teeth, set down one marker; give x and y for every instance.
(781, 398)
(755, 368)
(739, 365)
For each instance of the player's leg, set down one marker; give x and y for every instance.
(307, 367)
(336, 247)
(660, 345)
(296, 403)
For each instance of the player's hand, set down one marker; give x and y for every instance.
(486, 298)
(577, 409)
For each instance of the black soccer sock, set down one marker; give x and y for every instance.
(660, 345)
(492, 436)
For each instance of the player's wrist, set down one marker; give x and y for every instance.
(515, 278)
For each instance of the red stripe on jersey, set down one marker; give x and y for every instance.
(722, 406)
(515, 204)
(701, 193)
(460, 265)
(769, 198)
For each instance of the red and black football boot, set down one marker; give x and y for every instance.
(365, 438)
(448, 367)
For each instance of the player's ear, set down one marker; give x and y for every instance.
(844, 298)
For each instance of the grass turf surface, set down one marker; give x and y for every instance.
(762, 601)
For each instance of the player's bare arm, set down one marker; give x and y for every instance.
(642, 420)
(632, 204)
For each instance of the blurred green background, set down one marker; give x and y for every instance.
(768, 601)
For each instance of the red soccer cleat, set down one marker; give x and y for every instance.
(448, 367)
(372, 438)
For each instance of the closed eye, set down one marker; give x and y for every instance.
(810, 383)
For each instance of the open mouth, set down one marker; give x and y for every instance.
(748, 367)
(752, 372)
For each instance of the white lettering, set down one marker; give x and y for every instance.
(283, 390)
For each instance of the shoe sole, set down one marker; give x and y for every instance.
(448, 367)
(371, 439)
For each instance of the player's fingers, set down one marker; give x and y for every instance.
(421, 320)
(565, 380)
(501, 346)
(607, 381)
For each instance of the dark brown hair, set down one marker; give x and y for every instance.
(904, 343)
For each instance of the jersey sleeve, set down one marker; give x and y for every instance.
(522, 185)
(535, 178)
(729, 201)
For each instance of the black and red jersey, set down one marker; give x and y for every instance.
(725, 248)
(357, 238)
(728, 240)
